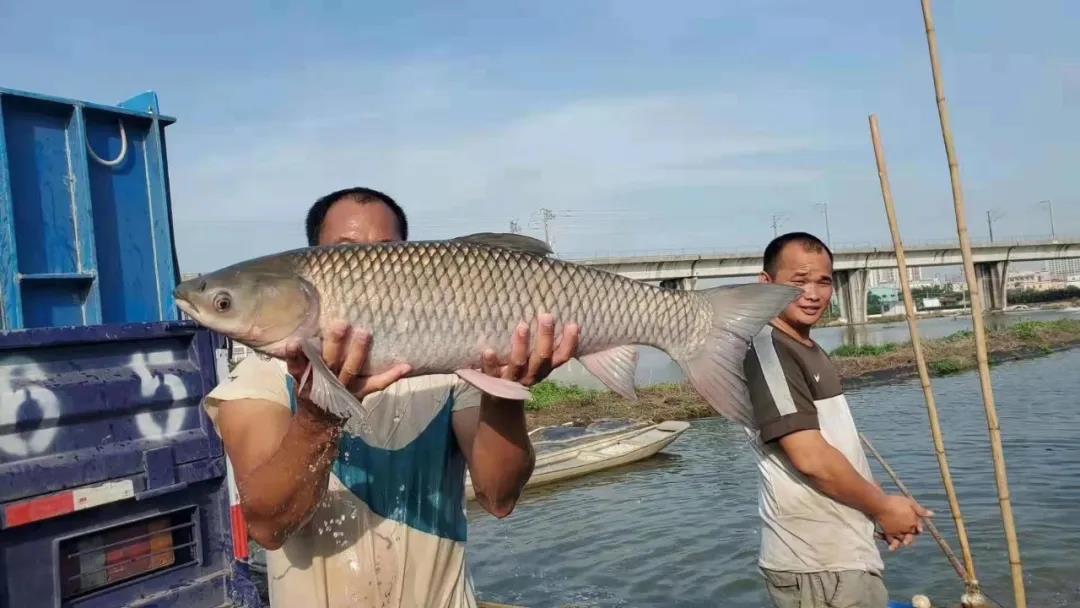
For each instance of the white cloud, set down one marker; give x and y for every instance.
(584, 153)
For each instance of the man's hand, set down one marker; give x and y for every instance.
(345, 352)
(900, 519)
(494, 439)
(547, 354)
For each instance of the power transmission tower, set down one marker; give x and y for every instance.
(828, 233)
(990, 218)
(777, 221)
(515, 227)
(1050, 206)
(546, 215)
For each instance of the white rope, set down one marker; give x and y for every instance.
(119, 158)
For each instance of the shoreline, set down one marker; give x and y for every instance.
(945, 313)
(555, 404)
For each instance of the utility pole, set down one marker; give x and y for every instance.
(546, 215)
(828, 234)
(1050, 206)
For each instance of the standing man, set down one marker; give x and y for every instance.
(818, 501)
(347, 523)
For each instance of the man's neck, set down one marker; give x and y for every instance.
(800, 333)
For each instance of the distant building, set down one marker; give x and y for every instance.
(1034, 281)
(925, 284)
(931, 302)
(891, 276)
(1063, 268)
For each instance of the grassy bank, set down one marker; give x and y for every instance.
(557, 404)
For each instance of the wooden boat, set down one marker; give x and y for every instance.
(565, 452)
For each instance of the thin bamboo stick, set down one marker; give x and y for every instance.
(920, 360)
(945, 548)
(992, 423)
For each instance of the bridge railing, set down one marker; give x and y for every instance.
(844, 247)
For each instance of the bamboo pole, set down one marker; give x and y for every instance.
(945, 548)
(992, 424)
(970, 580)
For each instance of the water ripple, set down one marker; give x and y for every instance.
(682, 529)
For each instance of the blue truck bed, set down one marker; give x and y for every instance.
(111, 415)
(113, 483)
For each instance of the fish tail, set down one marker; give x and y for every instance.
(715, 370)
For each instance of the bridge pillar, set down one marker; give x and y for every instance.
(683, 284)
(850, 289)
(992, 284)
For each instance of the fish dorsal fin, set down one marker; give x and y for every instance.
(506, 240)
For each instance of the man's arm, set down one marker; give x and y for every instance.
(785, 412)
(282, 461)
(494, 439)
(831, 473)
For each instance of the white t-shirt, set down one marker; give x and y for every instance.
(391, 529)
(795, 387)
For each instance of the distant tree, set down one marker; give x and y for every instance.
(874, 305)
(1031, 296)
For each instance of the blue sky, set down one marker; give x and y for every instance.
(643, 125)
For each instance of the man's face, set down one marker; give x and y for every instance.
(348, 221)
(810, 271)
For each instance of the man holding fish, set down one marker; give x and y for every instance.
(362, 519)
(390, 529)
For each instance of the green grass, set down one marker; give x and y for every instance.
(1027, 330)
(947, 366)
(1033, 330)
(868, 350)
(548, 393)
(959, 336)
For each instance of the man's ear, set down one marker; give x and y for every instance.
(763, 277)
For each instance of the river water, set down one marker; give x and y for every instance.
(681, 529)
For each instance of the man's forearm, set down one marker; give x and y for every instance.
(281, 494)
(503, 456)
(831, 473)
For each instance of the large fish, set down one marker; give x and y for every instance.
(437, 305)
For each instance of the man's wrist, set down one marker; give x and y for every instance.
(317, 424)
(877, 502)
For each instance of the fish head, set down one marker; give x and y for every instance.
(256, 305)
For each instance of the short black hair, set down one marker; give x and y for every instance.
(807, 240)
(317, 214)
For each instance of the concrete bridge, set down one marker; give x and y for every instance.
(851, 267)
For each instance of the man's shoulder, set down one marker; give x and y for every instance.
(254, 377)
(790, 350)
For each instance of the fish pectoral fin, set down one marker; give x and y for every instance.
(506, 240)
(327, 391)
(614, 367)
(496, 387)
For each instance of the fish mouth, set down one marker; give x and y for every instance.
(187, 308)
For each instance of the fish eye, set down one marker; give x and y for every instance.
(222, 302)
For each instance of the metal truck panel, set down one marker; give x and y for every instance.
(85, 228)
(83, 405)
(113, 488)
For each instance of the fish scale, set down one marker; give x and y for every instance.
(438, 305)
(409, 294)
